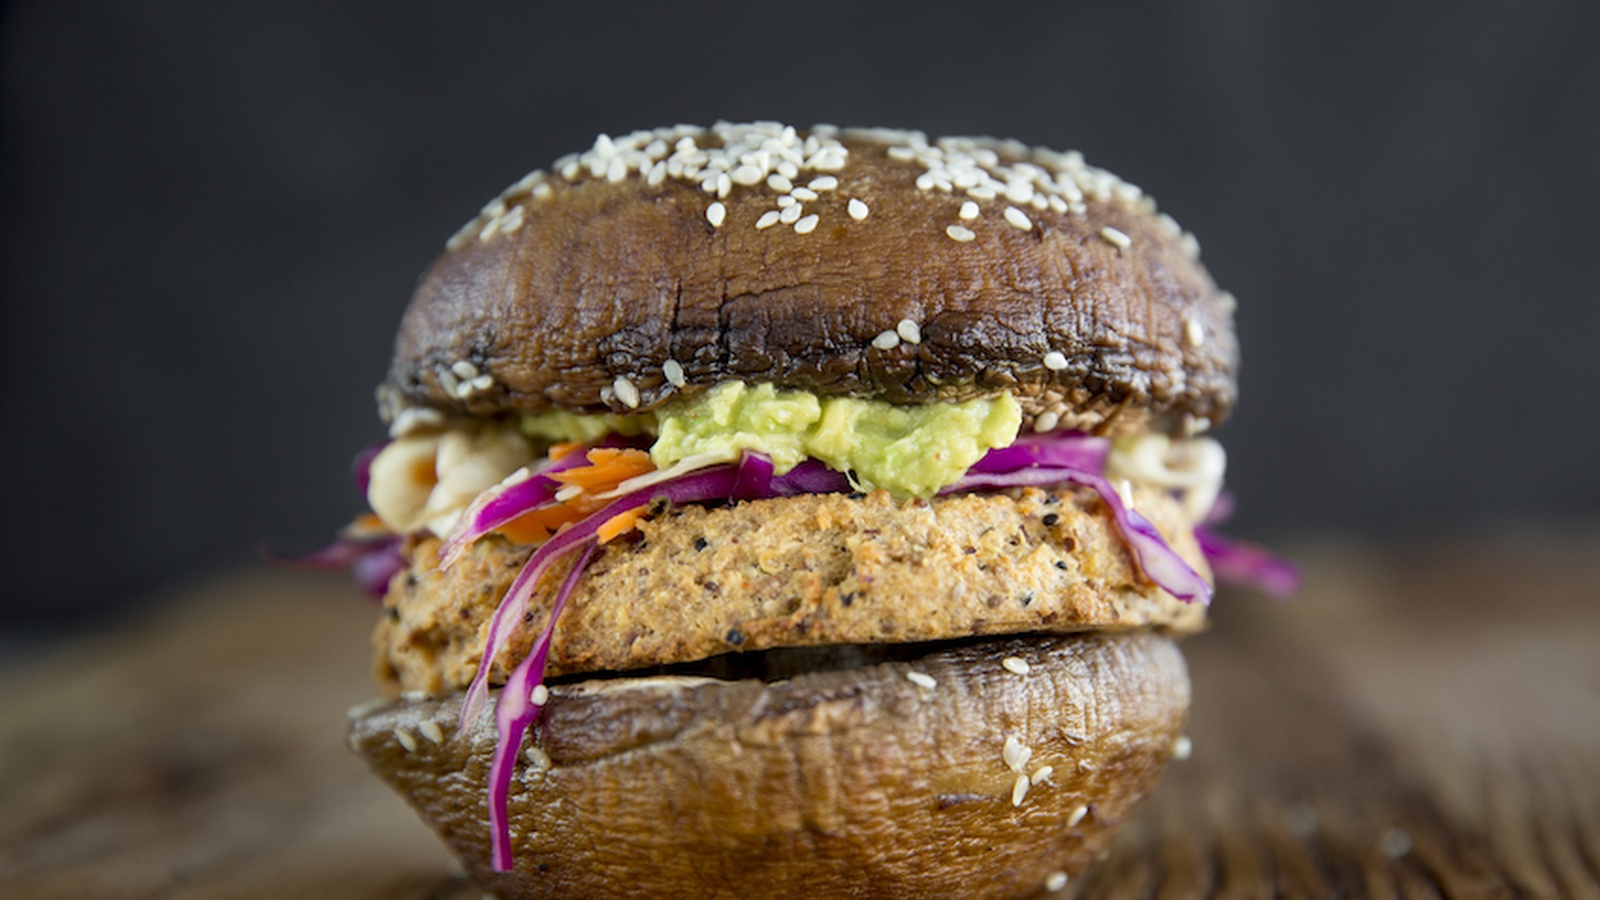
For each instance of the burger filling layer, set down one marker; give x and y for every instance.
(566, 485)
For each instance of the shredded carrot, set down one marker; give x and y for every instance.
(607, 468)
(621, 523)
(557, 451)
(538, 525)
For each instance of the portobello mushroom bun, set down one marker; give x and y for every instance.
(774, 512)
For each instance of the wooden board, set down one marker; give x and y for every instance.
(1424, 721)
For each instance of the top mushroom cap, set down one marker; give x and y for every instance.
(863, 263)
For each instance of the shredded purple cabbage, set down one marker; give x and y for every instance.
(1068, 451)
(516, 711)
(695, 487)
(1248, 565)
(500, 504)
(1079, 459)
(1242, 563)
(371, 560)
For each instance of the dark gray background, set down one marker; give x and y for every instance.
(213, 215)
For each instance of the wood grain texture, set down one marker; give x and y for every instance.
(1424, 721)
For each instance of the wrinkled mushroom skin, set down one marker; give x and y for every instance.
(854, 783)
(604, 279)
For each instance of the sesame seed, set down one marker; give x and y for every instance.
(462, 235)
(1190, 245)
(1182, 747)
(779, 183)
(886, 340)
(1045, 422)
(724, 184)
(463, 390)
(413, 419)
(626, 391)
(922, 680)
(568, 492)
(368, 707)
(909, 331)
(1115, 238)
(1018, 218)
(925, 181)
(1042, 774)
(448, 381)
(616, 169)
(1016, 664)
(672, 370)
(1055, 361)
(823, 183)
(746, 175)
(1019, 191)
(431, 730)
(523, 185)
(482, 382)
(1019, 790)
(1228, 300)
(829, 159)
(464, 369)
(406, 740)
(969, 211)
(767, 220)
(807, 224)
(858, 209)
(540, 695)
(1015, 754)
(1056, 882)
(959, 234)
(715, 213)
(538, 758)
(786, 201)
(1193, 333)
(805, 195)
(790, 214)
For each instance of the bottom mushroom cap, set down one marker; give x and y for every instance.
(993, 768)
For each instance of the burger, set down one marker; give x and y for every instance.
(770, 512)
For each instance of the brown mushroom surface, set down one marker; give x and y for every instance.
(911, 272)
(974, 780)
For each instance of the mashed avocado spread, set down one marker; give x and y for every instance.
(910, 451)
